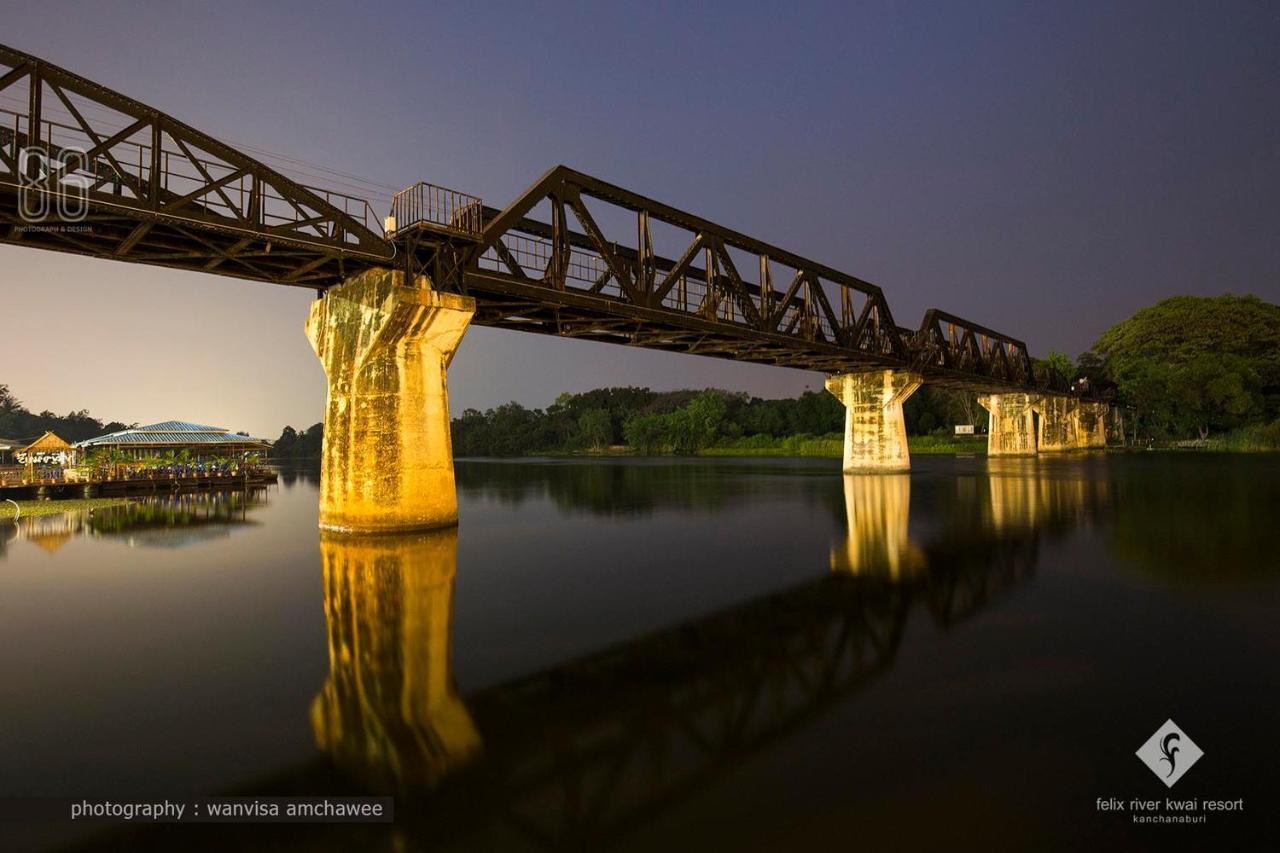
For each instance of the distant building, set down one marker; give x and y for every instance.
(158, 439)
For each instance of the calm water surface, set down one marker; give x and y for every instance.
(666, 655)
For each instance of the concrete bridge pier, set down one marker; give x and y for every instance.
(875, 434)
(1059, 427)
(1070, 424)
(1093, 425)
(1011, 430)
(387, 461)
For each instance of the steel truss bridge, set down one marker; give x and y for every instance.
(573, 256)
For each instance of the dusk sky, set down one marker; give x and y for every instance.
(1043, 169)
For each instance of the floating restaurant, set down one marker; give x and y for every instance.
(199, 440)
(173, 455)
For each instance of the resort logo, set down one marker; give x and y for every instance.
(49, 186)
(1169, 753)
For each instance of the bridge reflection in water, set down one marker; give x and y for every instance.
(878, 507)
(389, 710)
(578, 754)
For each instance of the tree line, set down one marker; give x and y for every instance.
(16, 421)
(299, 445)
(647, 421)
(684, 421)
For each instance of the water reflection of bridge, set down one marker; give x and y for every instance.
(579, 754)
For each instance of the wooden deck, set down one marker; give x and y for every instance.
(137, 486)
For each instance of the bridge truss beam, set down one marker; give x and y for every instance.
(575, 256)
(84, 169)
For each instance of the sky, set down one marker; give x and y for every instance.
(1042, 169)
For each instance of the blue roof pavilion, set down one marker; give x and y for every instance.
(199, 439)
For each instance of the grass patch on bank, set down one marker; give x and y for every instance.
(947, 444)
(34, 509)
(1263, 438)
(832, 446)
(829, 446)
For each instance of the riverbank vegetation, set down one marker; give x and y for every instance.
(685, 422)
(35, 509)
(295, 445)
(832, 446)
(689, 422)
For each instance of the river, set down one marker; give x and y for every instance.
(665, 654)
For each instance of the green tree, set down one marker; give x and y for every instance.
(648, 433)
(1058, 364)
(1192, 365)
(595, 428)
(698, 424)
(1093, 367)
(1218, 390)
(9, 404)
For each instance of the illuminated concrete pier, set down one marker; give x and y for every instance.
(389, 711)
(387, 461)
(1012, 424)
(1059, 426)
(1070, 424)
(875, 434)
(1093, 425)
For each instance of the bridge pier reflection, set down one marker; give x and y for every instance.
(875, 433)
(878, 507)
(389, 711)
(1016, 497)
(387, 462)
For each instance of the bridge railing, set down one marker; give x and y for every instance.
(438, 208)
